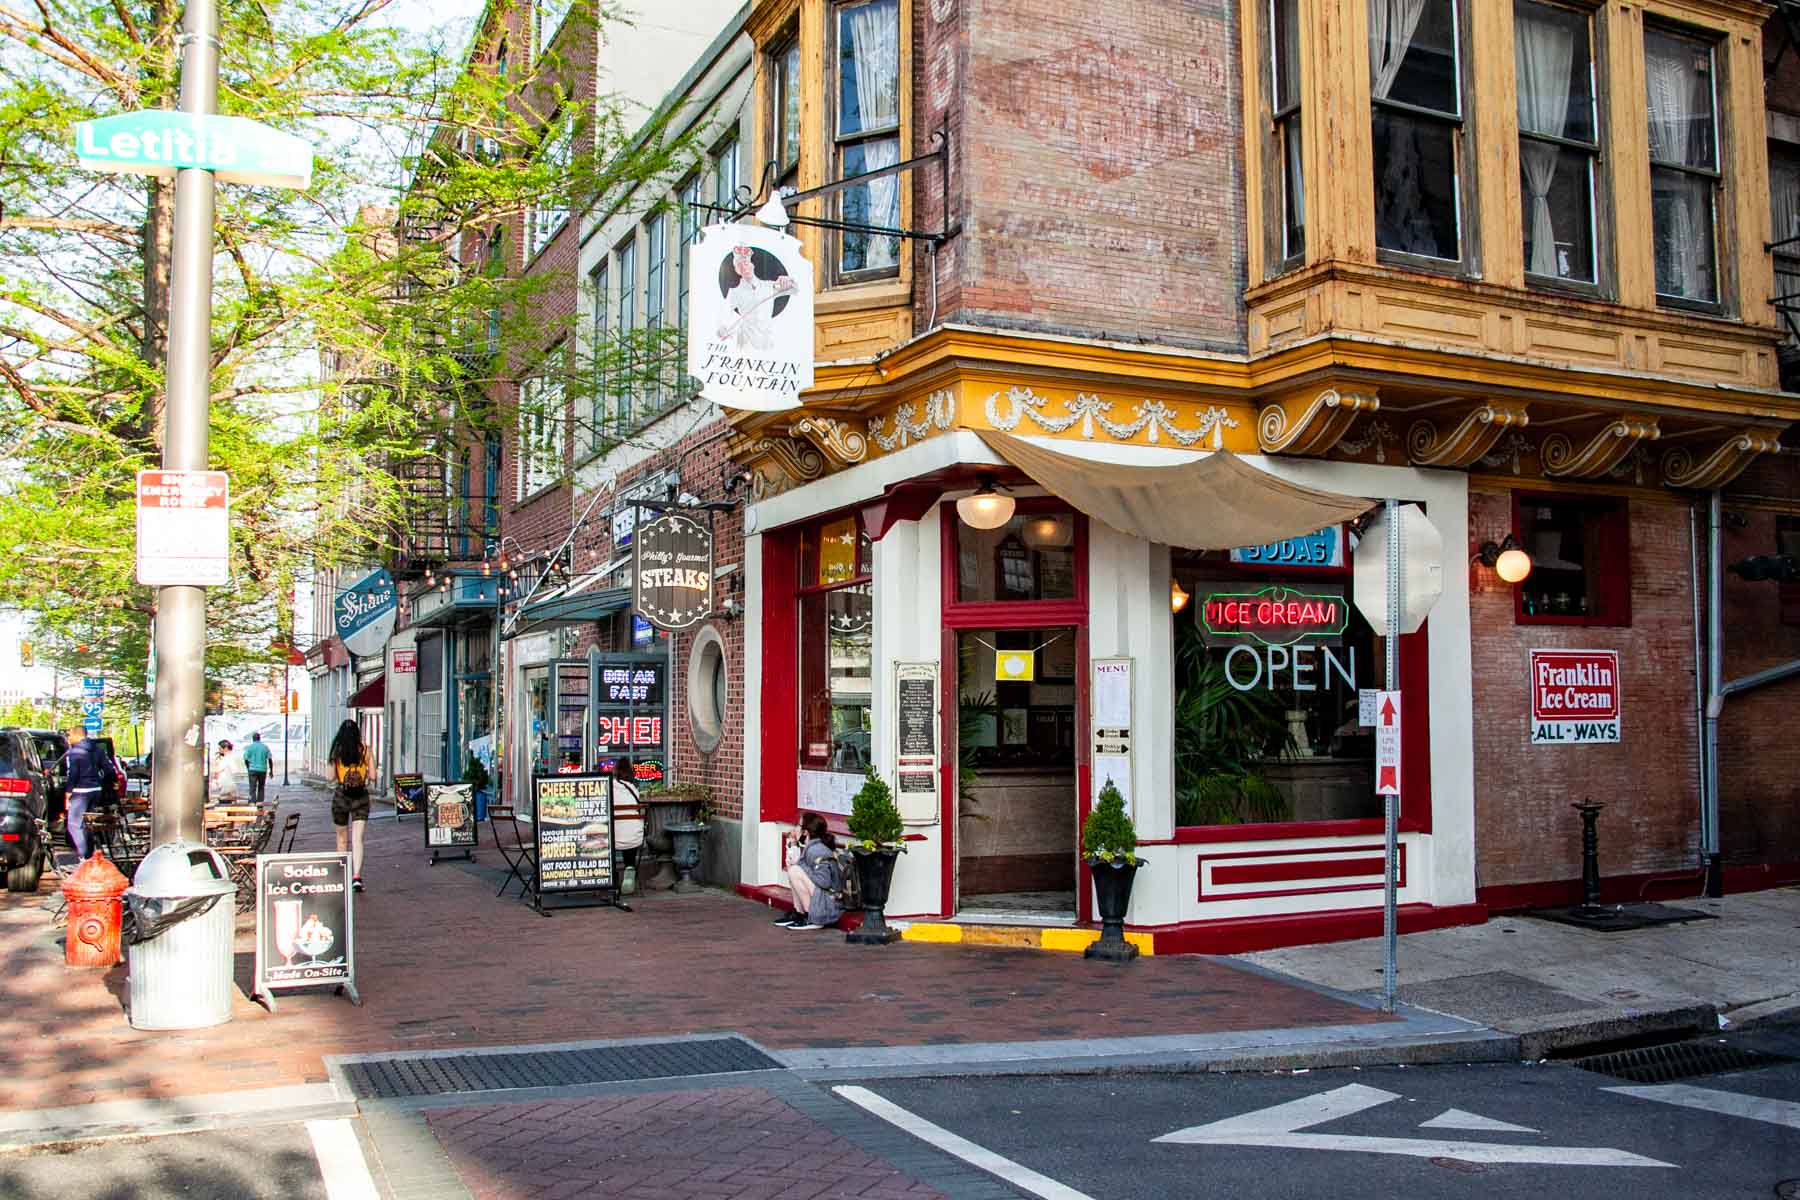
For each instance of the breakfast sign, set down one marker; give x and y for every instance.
(573, 831)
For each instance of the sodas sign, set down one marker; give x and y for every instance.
(1575, 696)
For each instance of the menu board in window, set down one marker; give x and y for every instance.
(574, 837)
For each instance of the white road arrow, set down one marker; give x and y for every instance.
(1277, 1127)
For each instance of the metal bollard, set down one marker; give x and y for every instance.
(1590, 853)
(93, 891)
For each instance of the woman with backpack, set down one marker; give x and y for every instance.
(350, 798)
(815, 877)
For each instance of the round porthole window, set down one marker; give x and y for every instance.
(708, 686)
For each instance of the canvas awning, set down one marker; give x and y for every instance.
(1218, 502)
(372, 694)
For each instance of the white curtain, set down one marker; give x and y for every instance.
(1672, 91)
(1392, 24)
(884, 202)
(875, 41)
(1543, 53)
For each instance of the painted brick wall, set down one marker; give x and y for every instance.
(1525, 831)
(1101, 155)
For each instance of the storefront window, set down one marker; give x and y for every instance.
(1580, 566)
(837, 645)
(1267, 669)
(1031, 557)
(537, 714)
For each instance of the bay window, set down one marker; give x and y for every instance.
(1679, 86)
(1558, 139)
(1784, 214)
(866, 133)
(785, 122)
(1284, 87)
(837, 647)
(1415, 78)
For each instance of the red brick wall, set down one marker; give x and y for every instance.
(940, 65)
(1525, 831)
(1101, 154)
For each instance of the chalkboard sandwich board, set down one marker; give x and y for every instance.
(305, 925)
(573, 832)
(450, 820)
(409, 794)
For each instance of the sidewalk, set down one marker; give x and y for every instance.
(1556, 985)
(442, 964)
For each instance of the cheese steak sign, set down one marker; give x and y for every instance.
(672, 571)
(750, 318)
(1574, 696)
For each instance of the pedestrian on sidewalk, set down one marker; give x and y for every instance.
(87, 775)
(220, 784)
(814, 876)
(256, 767)
(350, 798)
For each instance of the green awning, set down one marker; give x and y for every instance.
(572, 608)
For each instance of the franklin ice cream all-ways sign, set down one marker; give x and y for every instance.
(1574, 696)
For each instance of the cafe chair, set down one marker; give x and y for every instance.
(290, 829)
(520, 855)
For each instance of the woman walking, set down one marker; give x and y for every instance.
(350, 798)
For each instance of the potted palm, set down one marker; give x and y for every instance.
(1109, 845)
(875, 843)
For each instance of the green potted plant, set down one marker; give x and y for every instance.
(477, 777)
(1109, 845)
(875, 843)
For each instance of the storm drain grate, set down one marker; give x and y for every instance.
(1681, 1060)
(390, 1078)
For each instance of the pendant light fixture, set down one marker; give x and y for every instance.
(988, 508)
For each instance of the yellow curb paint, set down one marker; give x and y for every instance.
(999, 935)
(1069, 939)
(920, 931)
(1145, 942)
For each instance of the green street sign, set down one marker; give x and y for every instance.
(160, 142)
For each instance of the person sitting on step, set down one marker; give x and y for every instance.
(814, 875)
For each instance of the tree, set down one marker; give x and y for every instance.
(343, 316)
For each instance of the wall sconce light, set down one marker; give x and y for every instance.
(988, 508)
(1507, 558)
(1178, 597)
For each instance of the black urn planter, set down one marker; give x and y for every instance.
(1112, 890)
(874, 871)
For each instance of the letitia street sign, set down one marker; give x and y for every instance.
(161, 142)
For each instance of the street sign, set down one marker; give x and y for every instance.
(1421, 572)
(93, 685)
(91, 707)
(1387, 743)
(92, 724)
(1574, 696)
(162, 142)
(183, 528)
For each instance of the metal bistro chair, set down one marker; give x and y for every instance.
(290, 829)
(240, 860)
(62, 861)
(520, 856)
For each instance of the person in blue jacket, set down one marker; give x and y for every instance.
(87, 775)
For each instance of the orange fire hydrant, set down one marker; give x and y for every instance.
(93, 891)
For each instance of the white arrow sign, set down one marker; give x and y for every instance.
(1277, 1127)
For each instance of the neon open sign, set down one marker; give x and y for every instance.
(1275, 616)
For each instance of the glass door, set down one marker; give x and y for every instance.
(574, 707)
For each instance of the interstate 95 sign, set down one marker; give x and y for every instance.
(750, 318)
(1575, 696)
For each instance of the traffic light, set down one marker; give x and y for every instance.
(1759, 568)
(26, 658)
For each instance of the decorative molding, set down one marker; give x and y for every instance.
(1604, 451)
(1318, 428)
(1377, 433)
(1152, 418)
(1511, 450)
(1474, 436)
(1633, 464)
(799, 462)
(912, 425)
(1719, 468)
(835, 439)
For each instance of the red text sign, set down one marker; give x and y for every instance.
(1575, 696)
(1278, 616)
(183, 528)
(628, 731)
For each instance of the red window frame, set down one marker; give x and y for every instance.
(806, 586)
(1611, 575)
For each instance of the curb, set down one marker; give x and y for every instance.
(1570, 1039)
(1031, 937)
(1776, 1011)
(112, 1119)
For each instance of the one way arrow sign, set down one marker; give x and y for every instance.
(1387, 744)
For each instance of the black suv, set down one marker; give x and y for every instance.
(24, 797)
(51, 745)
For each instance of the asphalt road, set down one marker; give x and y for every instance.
(1374, 1133)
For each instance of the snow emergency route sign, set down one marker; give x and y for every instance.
(1387, 743)
(183, 528)
(1574, 696)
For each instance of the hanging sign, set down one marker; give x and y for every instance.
(363, 614)
(1324, 548)
(672, 571)
(1275, 616)
(1014, 666)
(1574, 696)
(183, 528)
(158, 141)
(750, 318)
(449, 819)
(305, 926)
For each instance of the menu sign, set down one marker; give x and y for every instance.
(305, 931)
(409, 794)
(574, 833)
(450, 819)
(916, 738)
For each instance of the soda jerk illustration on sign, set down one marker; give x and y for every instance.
(750, 318)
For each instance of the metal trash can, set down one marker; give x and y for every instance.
(183, 912)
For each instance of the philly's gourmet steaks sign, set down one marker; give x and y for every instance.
(750, 318)
(672, 571)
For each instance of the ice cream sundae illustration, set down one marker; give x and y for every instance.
(314, 938)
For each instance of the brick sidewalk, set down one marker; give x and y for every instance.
(443, 964)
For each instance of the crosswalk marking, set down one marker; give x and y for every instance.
(1731, 1104)
(341, 1163)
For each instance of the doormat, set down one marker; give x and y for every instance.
(1617, 918)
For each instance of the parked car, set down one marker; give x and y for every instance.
(51, 745)
(24, 797)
